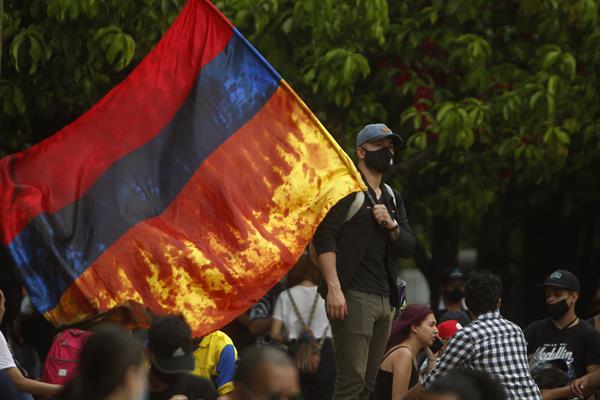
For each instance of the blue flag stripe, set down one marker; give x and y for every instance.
(54, 249)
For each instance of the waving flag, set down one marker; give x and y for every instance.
(191, 187)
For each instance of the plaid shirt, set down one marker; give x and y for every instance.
(495, 345)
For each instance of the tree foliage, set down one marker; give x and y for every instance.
(61, 56)
(498, 100)
(494, 93)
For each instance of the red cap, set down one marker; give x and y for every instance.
(447, 329)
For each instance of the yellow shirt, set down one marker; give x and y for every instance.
(215, 359)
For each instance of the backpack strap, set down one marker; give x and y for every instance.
(359, 199)
(356, 204)
(390, 191)
(305, 325)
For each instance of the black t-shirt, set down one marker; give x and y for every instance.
(194, 387)
(372, 276)
(578, 345)
(592, 321)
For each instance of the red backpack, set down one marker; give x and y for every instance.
(63, 356)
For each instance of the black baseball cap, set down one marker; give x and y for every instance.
(453, 274)
(170, 345)
(561, 278)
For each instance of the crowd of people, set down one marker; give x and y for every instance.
(336, 327)
(427, 358)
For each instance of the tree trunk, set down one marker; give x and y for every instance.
(1, 36)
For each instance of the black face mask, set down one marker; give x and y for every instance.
(557, 310)
(454, 295)
(380, 160)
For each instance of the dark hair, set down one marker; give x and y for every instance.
(457, 315)
(547, 375)
(255, 356)
(304, 269)
(482, 292)
(167, 333)
(413, 315)
(469, 385)
(103, 362)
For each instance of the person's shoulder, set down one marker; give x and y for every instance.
(482, 329)
(401, 355)
(285, 295)
(299, 289)
(402, 351)
(219, 339)
(466, 333)
(513, 328)
(587, 330)
(585, 326)
(536, 326)
(346, 200)
(4, 350)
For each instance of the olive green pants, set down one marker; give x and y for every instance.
(360, 341)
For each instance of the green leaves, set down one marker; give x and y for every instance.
(12, 97)
(355, 66)
(586, 12)
(336, 73)
(118, 46)
(550, 58)
(557, 142)
(455, 126)
(61, 10)
(476, 49)
(555, 60)
(488, 95)
(28, 48)
(61, 56)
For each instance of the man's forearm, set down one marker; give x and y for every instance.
(558, 393)
(327, 264)
(31, 386)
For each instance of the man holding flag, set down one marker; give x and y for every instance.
(357, 244)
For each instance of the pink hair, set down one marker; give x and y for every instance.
(413, 315)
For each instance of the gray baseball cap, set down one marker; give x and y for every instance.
(377, 131)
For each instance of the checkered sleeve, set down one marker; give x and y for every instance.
(459, 350)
